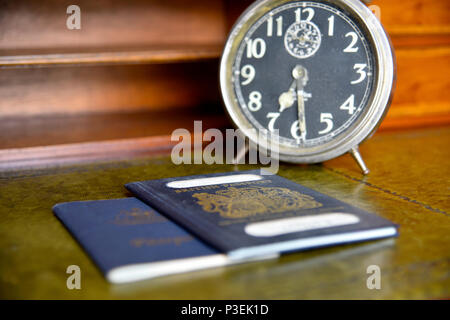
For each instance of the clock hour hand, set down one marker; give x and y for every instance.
(287, 99)
(300, 75)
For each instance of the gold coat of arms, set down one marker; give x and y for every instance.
(251, 201)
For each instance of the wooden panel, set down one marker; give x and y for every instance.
(69, 90)
(423, 76)
(415, 16)
(416, 22)
(110, 23)
(87, 152)
(422, 85)
(23, 132)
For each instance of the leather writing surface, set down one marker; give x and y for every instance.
(126, 231)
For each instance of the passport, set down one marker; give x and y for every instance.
(130, 241)
(246, 214)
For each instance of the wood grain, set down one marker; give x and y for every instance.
(177, 45)
(109, 56)
(24, 132)
(41, 24)
(56, 140)
(87, 152)
(415, 17)
(92, 89)
(422, 84)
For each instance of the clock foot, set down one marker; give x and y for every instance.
(357, 156)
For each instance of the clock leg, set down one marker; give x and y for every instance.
(357, 156)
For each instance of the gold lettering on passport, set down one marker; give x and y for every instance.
(246, 202)
(151, 242)
(138, 216)
(222, 186)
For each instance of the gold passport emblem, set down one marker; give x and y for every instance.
(246, 202)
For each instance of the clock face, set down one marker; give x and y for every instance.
(304, 72)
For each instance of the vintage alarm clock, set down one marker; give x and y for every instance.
(315, 77)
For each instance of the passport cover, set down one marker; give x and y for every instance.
(130, 241)
(246, 214)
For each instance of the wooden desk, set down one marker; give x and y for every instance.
(409, 185)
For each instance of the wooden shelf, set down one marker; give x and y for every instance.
(147, 55)
(59, 139)
(25, 132)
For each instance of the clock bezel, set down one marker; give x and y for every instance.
(377, 106)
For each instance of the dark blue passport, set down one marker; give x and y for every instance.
(246, 214)
(129, 241)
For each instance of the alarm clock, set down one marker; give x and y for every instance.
(316, 78)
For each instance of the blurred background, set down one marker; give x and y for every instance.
(140, 69)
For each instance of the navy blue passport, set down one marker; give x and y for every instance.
(129, 241)
(246, 214)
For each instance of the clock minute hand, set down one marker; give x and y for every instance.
(301, 75)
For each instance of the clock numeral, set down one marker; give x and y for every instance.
(326, 118)
(331, 26)
(299, 12)
(273, 116)
(351, 47)
(295, 130)
(349, 105)
(255, 103)
(256, 48)
(248, 72)
(359, 67)
(279, 21)
(270, 27)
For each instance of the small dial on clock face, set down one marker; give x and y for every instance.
(306, 71)
(302, 39)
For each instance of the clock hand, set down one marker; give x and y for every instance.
(304, 39)
(300, 74)
(287, 99)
